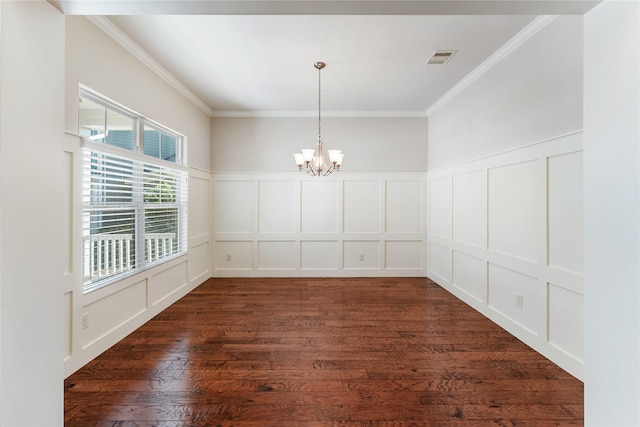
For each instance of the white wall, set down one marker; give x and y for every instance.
(612, 214)
(370, 144)
(366, 220)
(31, 125)
(95, 60)
(293, 225)
(507, 226)
(533, 94)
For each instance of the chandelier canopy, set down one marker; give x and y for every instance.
(312, 161)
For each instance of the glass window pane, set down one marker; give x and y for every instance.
(119, 130)
(151, 142)
(160, 145)
(168, 150)
(91, 119)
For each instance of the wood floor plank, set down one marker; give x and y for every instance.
(321, 352)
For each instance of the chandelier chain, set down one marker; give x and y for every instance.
(319, 95)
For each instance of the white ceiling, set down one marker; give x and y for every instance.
(262, 63)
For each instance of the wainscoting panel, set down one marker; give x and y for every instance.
(199, 256)
(362, 206)
(358, 255)
(404, 255)
(517, 297)
(276, 208)
(233, 206)
(234, 255)
(513, 198)
(440, 263)
(563, 304)
(346, 224)
(470, 275)
(565, 211)
(167, 282)
(404, 206)
(277, 255)
(469, 208)
(68, 325)
(440, 209)
(200, 219)
(69, 209)
(199, 270)
(100, 317)
(505, 236)
(319, 207)
(321, 255)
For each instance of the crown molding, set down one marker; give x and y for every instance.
(109, 28)
(310, 113)
(505, 50)
(324, 7)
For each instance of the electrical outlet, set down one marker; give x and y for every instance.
(519, 300)
(228, 257)
(85, 320)
(361, 257)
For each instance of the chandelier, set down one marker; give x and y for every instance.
(312, 161)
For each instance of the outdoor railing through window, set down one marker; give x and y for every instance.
(109, 254)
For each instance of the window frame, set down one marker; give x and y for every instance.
(177, 170)
(140, 121)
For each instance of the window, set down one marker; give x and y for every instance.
(159, 144)
(106, 124)
(134, 194)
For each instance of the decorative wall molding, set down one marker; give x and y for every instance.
(327, 113)
(505, 236)
(322, 7)
(293, 225)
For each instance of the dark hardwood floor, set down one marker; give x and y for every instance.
(321, 352)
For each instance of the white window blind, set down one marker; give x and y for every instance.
(134, 215)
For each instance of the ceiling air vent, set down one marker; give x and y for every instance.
(440, 57)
